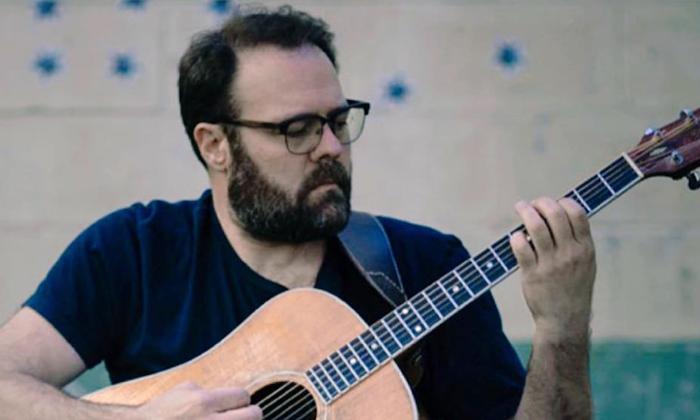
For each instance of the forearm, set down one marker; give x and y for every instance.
(25, 397)
(558, 380)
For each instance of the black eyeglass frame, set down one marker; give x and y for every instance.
(283, 126)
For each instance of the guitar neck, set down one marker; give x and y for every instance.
(425, 311)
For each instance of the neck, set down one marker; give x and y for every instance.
(289, 264)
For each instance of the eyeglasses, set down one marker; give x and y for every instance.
(303, 133)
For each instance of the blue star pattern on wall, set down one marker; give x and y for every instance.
(46, 9)
(123, 65)
(47, 64)
(509, 56)
(397, 90)
(134, 4)
(221, 7)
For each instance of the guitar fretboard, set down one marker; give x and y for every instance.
(422, 313)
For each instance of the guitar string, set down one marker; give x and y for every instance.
(290, 385)
(308, 411)
(615, 172)
(276, 405)
(303, 400)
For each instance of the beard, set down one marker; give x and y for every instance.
(268, 213)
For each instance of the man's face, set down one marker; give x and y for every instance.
(276, 195)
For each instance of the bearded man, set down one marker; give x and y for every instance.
(153, 286)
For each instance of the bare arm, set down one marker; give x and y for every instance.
(558, 276)
(35, 360)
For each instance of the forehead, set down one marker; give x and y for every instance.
(274, 83)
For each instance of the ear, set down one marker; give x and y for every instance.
(213, 146)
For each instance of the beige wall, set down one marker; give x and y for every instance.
(470, 140)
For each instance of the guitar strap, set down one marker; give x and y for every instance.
(367, 245)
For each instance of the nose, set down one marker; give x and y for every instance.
(329, 146)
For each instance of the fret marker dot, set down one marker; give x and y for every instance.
(455, 289)
(373, 346)
(489, 265)
(353, 361)
(418, 328)
(404, 311)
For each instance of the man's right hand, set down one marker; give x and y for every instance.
(190, 401)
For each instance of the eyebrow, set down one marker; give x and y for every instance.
(312, 114)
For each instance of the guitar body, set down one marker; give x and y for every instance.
(277, 344)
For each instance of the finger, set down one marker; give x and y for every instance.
(577, 218)
(536, 227)
(556, 218)
(252, 412)
(522, 250)
(223, 399)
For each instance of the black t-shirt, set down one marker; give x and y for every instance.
(150, 287)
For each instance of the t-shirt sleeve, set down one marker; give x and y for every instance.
(471, 369)
(78, 295)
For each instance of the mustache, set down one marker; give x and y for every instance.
(327, 172)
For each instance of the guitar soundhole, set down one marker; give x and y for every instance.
(285, 401)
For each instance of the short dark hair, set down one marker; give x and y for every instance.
(208, 67)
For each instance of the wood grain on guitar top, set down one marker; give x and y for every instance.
(279, 342)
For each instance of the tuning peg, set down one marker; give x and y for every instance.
(686, 113)
(693, 180)
(649, 131)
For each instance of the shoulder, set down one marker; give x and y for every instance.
(157, 218)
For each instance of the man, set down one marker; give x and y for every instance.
(150, 287)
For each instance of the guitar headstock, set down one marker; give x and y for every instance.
(673, 150)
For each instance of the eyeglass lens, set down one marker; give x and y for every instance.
(305, 134)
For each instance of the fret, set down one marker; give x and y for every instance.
(447, 294)
(431, 309)
(365, 356)
(498, 258)
(490, 268)
(577, 197)
(395, 339)
(456, 290)
(395, 325)
(594, 192)
(475, 278)
(386, 337)
(505, 253)
(335, 376)
(621, 174)
(368, 350)
(317, 385)
(416, 312)
(446, 300)
(406, 326)
(421, 320)
(357, 359)
(325, 381)
(347, 364)
(481, 272)
(606, 183)
(343, 368)
(459, 277)
(351, 357)
(381, 353)
(411, 319)
(632, 165)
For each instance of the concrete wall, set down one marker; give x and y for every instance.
(476, 104)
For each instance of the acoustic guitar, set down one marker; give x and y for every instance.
(306, 355)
